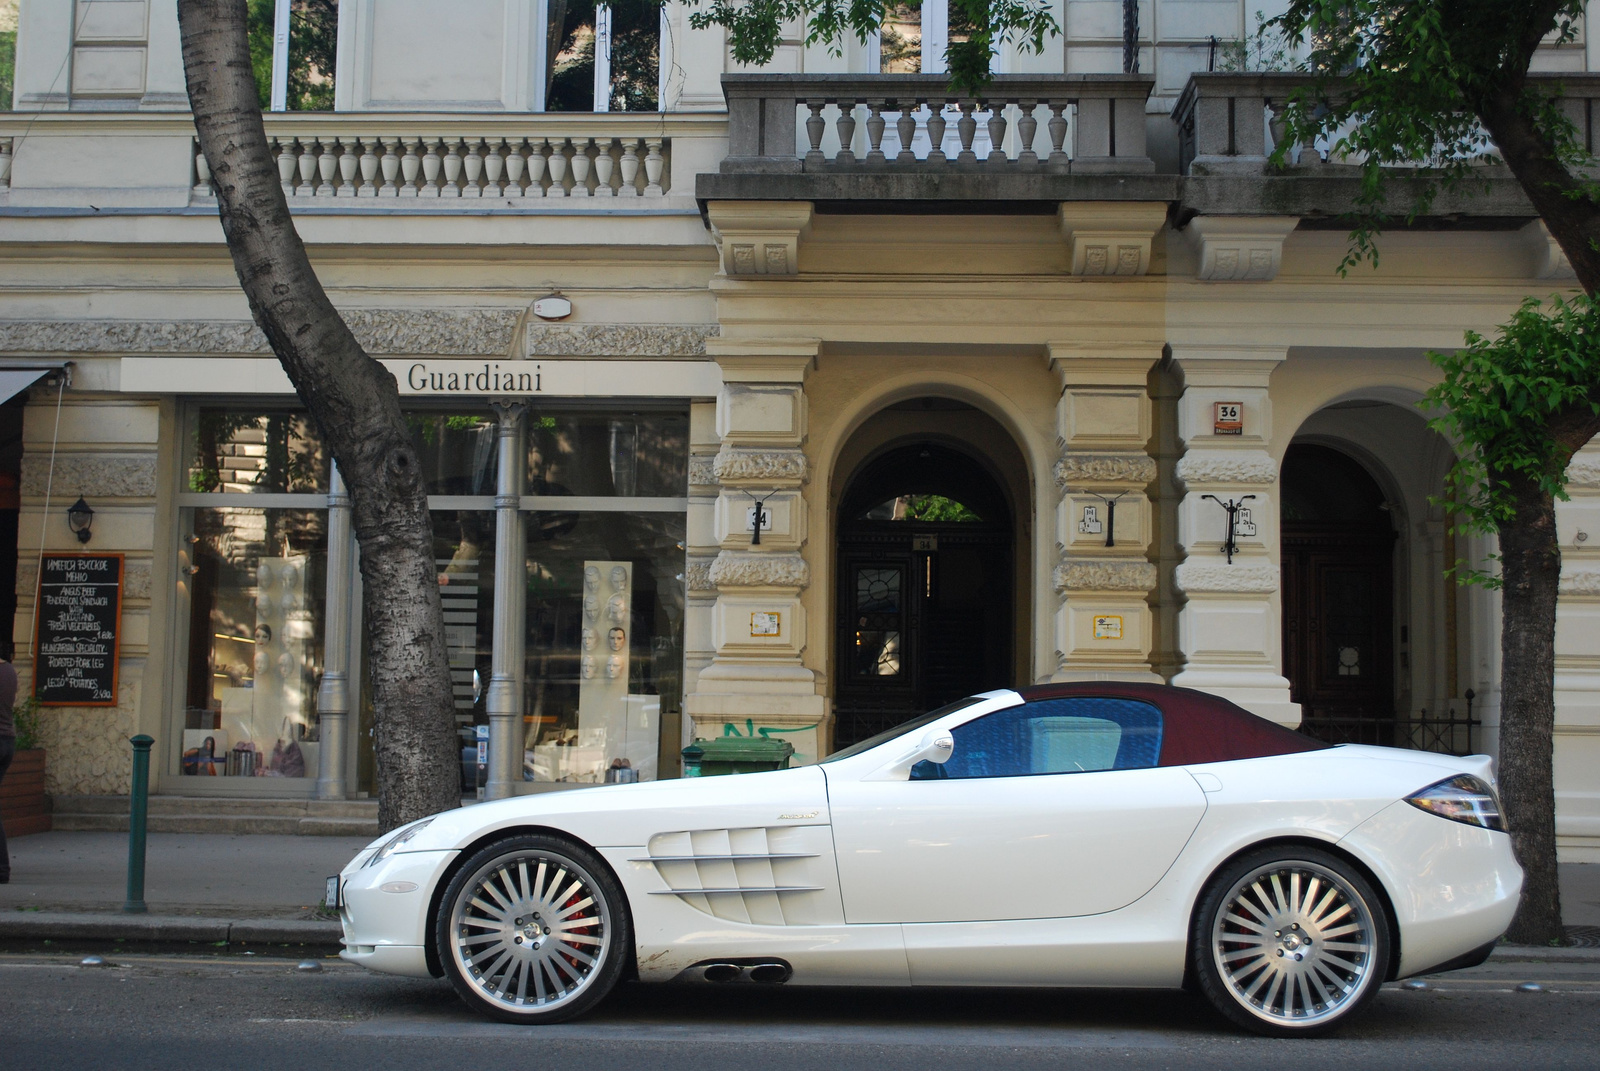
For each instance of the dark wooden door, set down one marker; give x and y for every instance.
(924, 618)
(1338, 631)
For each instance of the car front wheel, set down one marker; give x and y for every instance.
(533, 929)
(1289, 942)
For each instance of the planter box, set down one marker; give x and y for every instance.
(23, 804)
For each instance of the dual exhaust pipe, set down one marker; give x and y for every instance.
(761, 972)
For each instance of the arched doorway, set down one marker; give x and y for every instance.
(1338, 596)
(925, 578)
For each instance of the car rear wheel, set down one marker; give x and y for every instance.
(1289, 942)
(533, 929)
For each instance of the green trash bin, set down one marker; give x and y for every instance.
(735, 754)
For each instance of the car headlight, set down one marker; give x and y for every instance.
(393, 844)
(1461, 799)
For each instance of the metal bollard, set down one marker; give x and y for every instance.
(138, 812)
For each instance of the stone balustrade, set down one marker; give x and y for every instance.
(1228, 123)
(1088, 124)
(530, 157)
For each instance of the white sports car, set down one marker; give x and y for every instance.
(1087, 834)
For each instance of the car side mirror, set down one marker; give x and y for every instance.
(936, 747)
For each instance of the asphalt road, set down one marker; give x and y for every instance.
(187, 1011)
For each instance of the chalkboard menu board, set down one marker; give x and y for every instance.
(79, 613)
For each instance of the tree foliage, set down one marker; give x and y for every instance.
(1498, 398)
(1409, 83)
(756, 28)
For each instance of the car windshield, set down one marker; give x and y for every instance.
(904, 727)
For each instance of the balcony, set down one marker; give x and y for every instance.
(348, 162)
(908, 138)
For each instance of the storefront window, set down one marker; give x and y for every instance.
(242, 451)
(463, 550)
(257, 590)
(604, 645)
(456, 450)
(643, 455)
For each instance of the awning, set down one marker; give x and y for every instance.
(13, 381)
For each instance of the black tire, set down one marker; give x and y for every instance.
(1289, 942)
(518, 926)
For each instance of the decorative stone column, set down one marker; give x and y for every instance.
(1230, 628)
(503, 702)
(1103, 523)
(333, 695)
(756, 680)
(1577, 729)
(700, 595)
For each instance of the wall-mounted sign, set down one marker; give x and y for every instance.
(766, 623)
(750, 519)
(1108, 626)
(1229, 418)
(79, 614)
(552, 307)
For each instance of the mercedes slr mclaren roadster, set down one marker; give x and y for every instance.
(1086, 834)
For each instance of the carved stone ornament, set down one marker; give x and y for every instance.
(734, 463)
(1584, 582)
(96, 475)
(739, 569)
(1227, 466)
(697, 575)
(1584, 470)
(1075, 468)
(444, 332)
(702, 470)
(1219, 578)
(1238, 249)
(618, 340)
(1080, 575)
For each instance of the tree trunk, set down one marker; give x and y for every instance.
(1530, 563)
(356, 404)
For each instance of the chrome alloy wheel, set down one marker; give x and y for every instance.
(529, 931)
(1295, 943)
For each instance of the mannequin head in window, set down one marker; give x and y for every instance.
(616, 639)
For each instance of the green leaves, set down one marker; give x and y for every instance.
(1499, 399)
(1403, 83)
(756, 28)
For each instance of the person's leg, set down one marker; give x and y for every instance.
(8, 747)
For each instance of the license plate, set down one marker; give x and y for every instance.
(332, 895)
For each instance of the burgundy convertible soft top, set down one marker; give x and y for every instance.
(1196, 726)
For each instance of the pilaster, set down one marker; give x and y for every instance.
(1104, 629)
(1230, 627)
(1577, 684)
(752, 555)
(504, 700)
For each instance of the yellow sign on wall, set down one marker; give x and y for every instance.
(1108, 626)
(766, 623)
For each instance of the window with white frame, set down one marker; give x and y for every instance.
(602, 57)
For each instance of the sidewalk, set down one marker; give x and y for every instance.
(265, 888)
(211, 888)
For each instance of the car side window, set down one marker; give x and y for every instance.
(1080, 734)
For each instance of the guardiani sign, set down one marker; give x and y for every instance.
(488, 378)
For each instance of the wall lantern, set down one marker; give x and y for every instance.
(79, 518)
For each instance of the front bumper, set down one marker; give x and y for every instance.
(384, 910)
(1454, 887)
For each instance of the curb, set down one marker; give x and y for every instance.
(1537, 954)
(35, 926)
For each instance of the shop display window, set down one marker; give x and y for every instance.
(643, 455)
(257, 584)
(463, 551)
(456, 451)
(248, 451)
(604, 646)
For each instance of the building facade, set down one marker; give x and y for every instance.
(812, 397)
